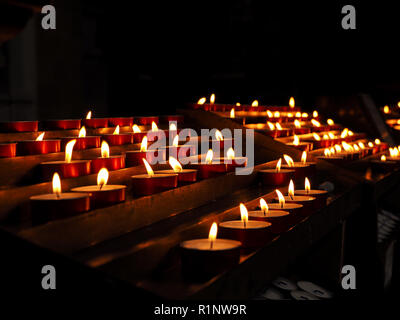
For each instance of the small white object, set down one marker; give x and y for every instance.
(302, 295)
(327, 186)
(315, 289)
(284, 284)
(273, 294)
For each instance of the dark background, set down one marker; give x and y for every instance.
(146, 57)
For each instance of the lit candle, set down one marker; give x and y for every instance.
(302, 146)
(8, 150)
(295, 209)
(135, 157)
(57, 205)
(301, 168)
(179, 151)
(209, 167)
(106, 161)
(307, 201)
(117, 138)
(19, 126)
(320, 195)
(94, 122)
(38, 146)
(232, 161)
(251, 233)
(120, 121)
(184, 175)
(277, 176)
(82, 141)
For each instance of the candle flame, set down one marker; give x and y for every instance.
(269, 114)
(315, 123)
(172, 127)
(202, 101)
(394, 152)
(238, 104)
(278, 126)
(361, 145)
(102, 177)
(386, 109)
(56, 184)
(278, 165)
(40, 137)
(370, 144)
(289, 115)
(332, 150)
(383, 158)
(277, 114)
(377, 141)
(175, 142)
(149, 170)
(270, 125)
(315, 114)
(212, 98)
(327, 153)
(143, 145)
(281, 198)
(116, 131)
(230, 154)
(136, 129)
(298, 114)
(213, 233)
(338, 148)
(264, 206)
(82, 132)
(350, 133)
(304, 115)
(209, 156)
(291, 102)
(331, 135)
(296, 140)
(330, 122)
(175, 164)
(105, 149)
(307, 185)
(304, 157)
(325, 137)
(219, 136)
(244, 215)
(89, 115)
(68, 150)
(291, 189)
(288, 160)
(316, 137)
(154, 126)
(232, 114)
(344, 133)
(254, 103)
(297, 123)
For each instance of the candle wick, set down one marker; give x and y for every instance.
(58, 195)
(211, 244)
(101, 185)
(265, 212)
(244, 223)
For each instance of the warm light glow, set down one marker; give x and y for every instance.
(102, 177)
(288, 160)
(82, 132)
(383, 158)
(175, 142)
(143, 146)
(263, 206)
(154, 126)
(244, 215)
(304, 157)
(289, 115)
(291, 102)
(344, 133)
(56, 184)
(304, 115)
(232, 114)
(386, 109)
(68, 150)
(269, 114)
(212, 98)
(298, 114)
(325, 137)
(281, 198)
(175, 164)
(347, 147)
(40, 137)
(172, 127)
(350, 133)
(297, 123)
(355, 147)
(254, 103)
(296, 140)
(398, 104)
(315, 123)
(377, 141)
(316, 137)
(394, 152)
(361, 145)
(331, 135)
(219, 136)
(237, 104)
(213, 233)
(291, 189)
(307, 185)
(105, 149)
(315, 114)
(136, 129)
(116, 131)
(202, 101)
(277, 114)
(278, 126)
(330, 122)
(270, 125)
(370, 144)
(209, 156)
(332, 150)
(338, 148)
(149, 170)
(89, 115)
(327, 153)
(230, 154)
(278, 165)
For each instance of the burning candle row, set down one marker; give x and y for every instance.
(254, 229)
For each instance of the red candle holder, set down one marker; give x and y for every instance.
(308, 202)
(111, 163)
(19, 126)
(144, 185)
(231, 164)
(95, 123)
(338, 160)
(118, 139)
(184, 176)
(120, 121)
(295, 210)
(321, 196)
(138, 137)
(301, 146)
(105, 196)
(135, 157)
(82, 143)
(272, 177)
(279, 219)
(30, 147)
(48, 207)
(8, 150)
(66, 124)
(209, 170)
(252, 235)
(146, 121)
(177, 118)
(179, 152)
(301, 169)
(301, 130)
(153, 136)
(73, 169)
